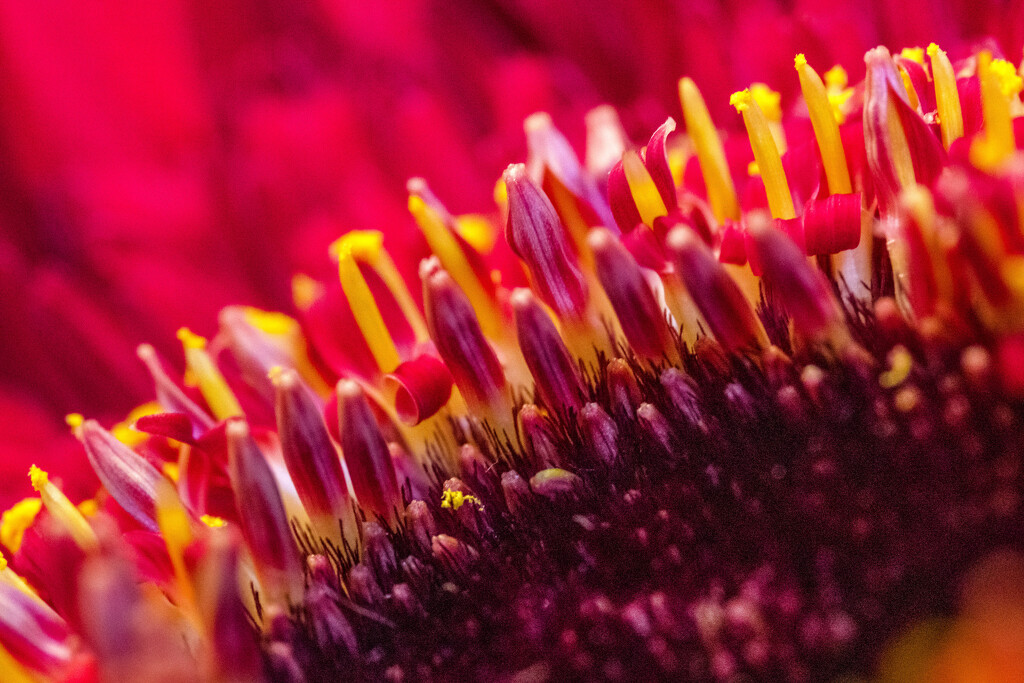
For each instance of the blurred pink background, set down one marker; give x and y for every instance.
(159, 160)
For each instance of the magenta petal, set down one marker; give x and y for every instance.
(656, 161)
(621, 199)
(366, 453)
(832, 225)
(553, 368)
(538, 237)
(32, 632)
(423, 386)
(175, 426)
(733, 249)
(642, 319)
(263, 520)
(643, 244)
(125, 474)
(309, 454)
(714, 291)
(459, 340)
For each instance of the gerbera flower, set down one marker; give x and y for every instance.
(756, 412)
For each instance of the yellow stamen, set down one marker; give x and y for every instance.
(367, 246)
(176, 530)
(710, 153)
(826, 129)
(212, 385)
(997, 144)
(642, 187)
(449, 251)
(908, 85)
(365, 311)
(780, 201)
(899, 148)
(947, 98)
(63, 510)
(16, 520)
(770, 102)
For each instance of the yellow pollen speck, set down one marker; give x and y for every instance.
(914, 54)
(15, 522)
(190, 340)
(800, 60)
(38, 477)
(74, 420)
(212, 522)
(752, 169)
(453, 500)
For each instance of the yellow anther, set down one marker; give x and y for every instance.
(1010, 81)
(780, 201)
(363, 245)
(501, 193)
(645, 193)
(947, 97)
(710, 153)
(212, 385)
(63, 510)
(914, 54)
(836, 78)
(212, 522)
(271, 322)
(826, 128)
(367, 314)
(125, 431)
(453, 500)
(997, 144)
(477, 231)
(454, 260)
(752, 169)
(768, 99)
(89, 507)
(74, 420)
(39, 478)
(16, 520)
